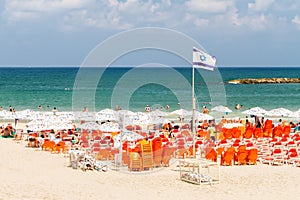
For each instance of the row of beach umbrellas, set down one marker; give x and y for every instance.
(63, 120)
(138, 117)
(278, 112)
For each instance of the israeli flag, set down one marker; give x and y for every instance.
(203, 60)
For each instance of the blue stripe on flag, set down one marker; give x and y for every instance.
(195, 50)
(200, 64)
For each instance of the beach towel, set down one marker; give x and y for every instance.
(10, 136)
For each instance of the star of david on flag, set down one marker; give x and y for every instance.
(203, 60)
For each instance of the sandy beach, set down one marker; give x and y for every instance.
(28, 173)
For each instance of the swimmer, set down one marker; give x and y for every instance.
(147, 108)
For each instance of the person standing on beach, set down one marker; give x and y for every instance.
(54, 111)
(167, 107)
(85, 109)
(279, 123)
(262, 122)
(16, 122)
(257, 122)
(16, 119)
(212, 132)
(205, 110)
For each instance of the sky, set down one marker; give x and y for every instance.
(63, 32)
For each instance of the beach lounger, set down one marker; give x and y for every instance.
(248, 133)
(278, 157)
(103, 154)
(60, 147)
(277, 131)
(168, 153)
(286, 130)
(48, 145)
(252, 156)
(228, 158)
(258, 133)
(135, 162)
(241, 155)
(211, 154)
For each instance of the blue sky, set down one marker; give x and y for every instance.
(63, 32)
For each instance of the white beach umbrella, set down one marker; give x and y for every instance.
(201, 116)
(157, 113)
(142, 115)
(66, 116)
(109, 127)
(106, 111)
(129, 136)
(7, 114)
(63, 126)
(255, 111)
(160, 120)
(221, 108)
(258, 109)
(182, 112)
(3, 113)
(295, 114)
(279, 112)
(139, 119)
(89, 126)
(286, 112)
(25, 114)
(123, 116)
(126, 136)
(38, 115)
(87, 116)
(106, 114)
(124, 113)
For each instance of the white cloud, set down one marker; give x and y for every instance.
(125, 14)
(296, 21)
(255, 22)
(201, 22)
(210, 6)
(120, 15)
(82, 18)
(286, 6)
(16, 10)
(195, 20)
(260, 5)
(137, 7)
(22, 15)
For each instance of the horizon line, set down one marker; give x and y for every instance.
(128, 66)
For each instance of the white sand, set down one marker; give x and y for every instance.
(33, 174)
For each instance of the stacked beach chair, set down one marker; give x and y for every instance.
(147, 157)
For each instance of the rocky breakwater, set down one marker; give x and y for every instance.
(264, 80)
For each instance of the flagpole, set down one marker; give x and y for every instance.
(194, 108)
(204, 61)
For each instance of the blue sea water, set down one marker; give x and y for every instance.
(27, 88)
